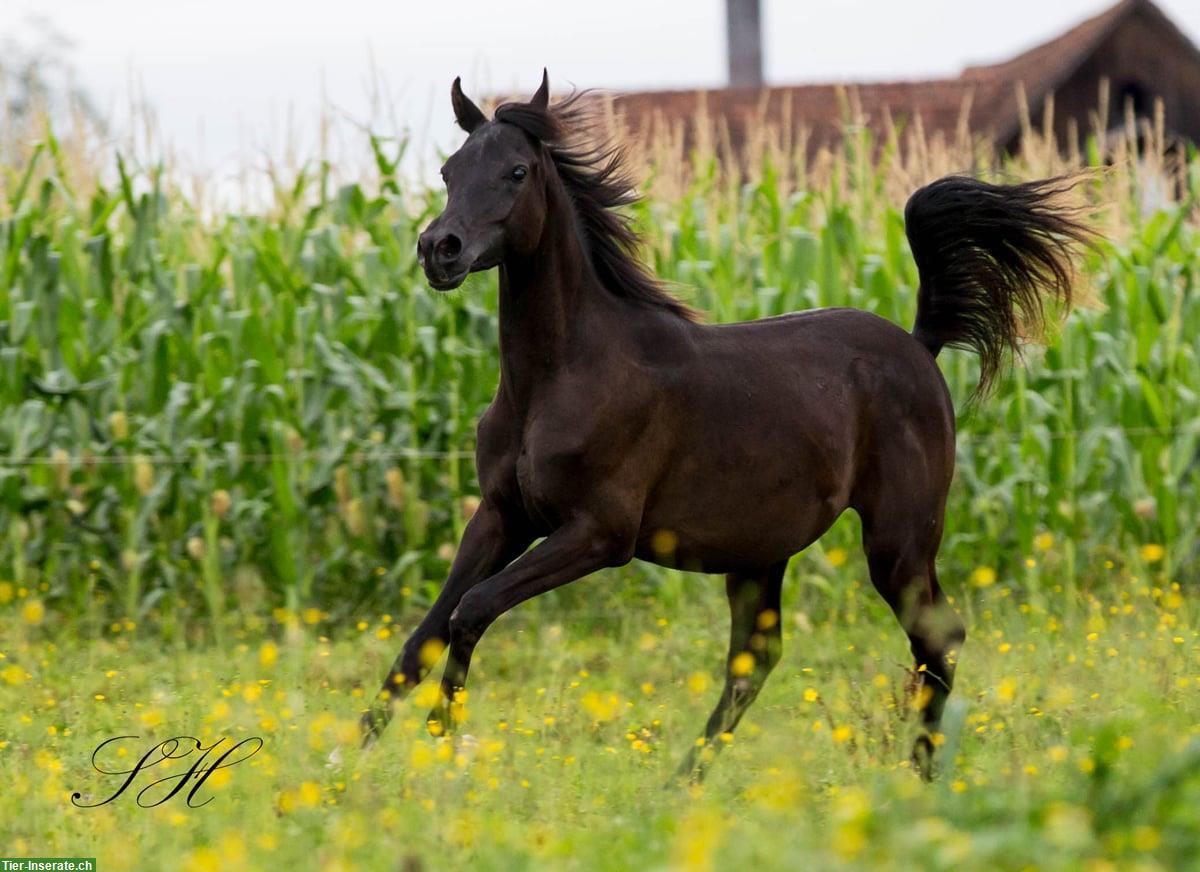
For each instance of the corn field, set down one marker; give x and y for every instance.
(218, 414)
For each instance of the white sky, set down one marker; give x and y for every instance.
(225, 76)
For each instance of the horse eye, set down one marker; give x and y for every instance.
(518, 173)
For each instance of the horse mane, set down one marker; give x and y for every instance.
(595, 172)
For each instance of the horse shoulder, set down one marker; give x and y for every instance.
(497, 445)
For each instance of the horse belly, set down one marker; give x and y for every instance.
(749, 520)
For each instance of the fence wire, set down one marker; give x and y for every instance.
(213, 457)
(360, 456)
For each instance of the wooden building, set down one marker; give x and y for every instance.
(1133, 48)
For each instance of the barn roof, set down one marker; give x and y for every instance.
(984, 97)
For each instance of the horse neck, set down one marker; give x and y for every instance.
(550, 306)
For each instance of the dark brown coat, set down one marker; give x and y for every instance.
(623, 428)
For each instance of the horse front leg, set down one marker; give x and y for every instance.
(488, 544)
(571, 552)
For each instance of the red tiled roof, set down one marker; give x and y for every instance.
(983, 96)
(1041, 69)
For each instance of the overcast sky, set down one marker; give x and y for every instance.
(224, 76)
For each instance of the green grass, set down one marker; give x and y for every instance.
(1074, 742)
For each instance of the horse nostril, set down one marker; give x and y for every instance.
(448, 248)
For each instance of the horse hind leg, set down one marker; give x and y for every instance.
(901, 547)
(755, 644)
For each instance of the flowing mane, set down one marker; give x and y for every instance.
(595, 173)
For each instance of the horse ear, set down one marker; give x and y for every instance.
(466, 113)
(541, 99)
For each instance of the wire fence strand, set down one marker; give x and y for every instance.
(363, 455)
(356, 456)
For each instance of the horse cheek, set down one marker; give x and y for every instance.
(526, 224)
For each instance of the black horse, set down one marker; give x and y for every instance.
(623, 428)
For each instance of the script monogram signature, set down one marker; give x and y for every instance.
(176, 748)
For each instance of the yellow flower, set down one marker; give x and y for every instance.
(851, 813)
(33, 612)
(602, 707)
(983, 576)
(1006, 690)
(43, 759)
(287, 802)
(421, 756)
(427, 695)
(203, 860)
(309, 794)
(843, 734)
(664, 542)
(1152, 553)
(6, 592)
(268, 654)
(697, 682)
(697, 837)
(767, 619)
(1145, 838)
(1043, 541)
(836, 557)
(742, 664)
(13, 674)
(430, 652)
(810, 694)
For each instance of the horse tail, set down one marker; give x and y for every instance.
(988, 257)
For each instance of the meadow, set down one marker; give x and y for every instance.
(1073, 742)
(236, 455)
